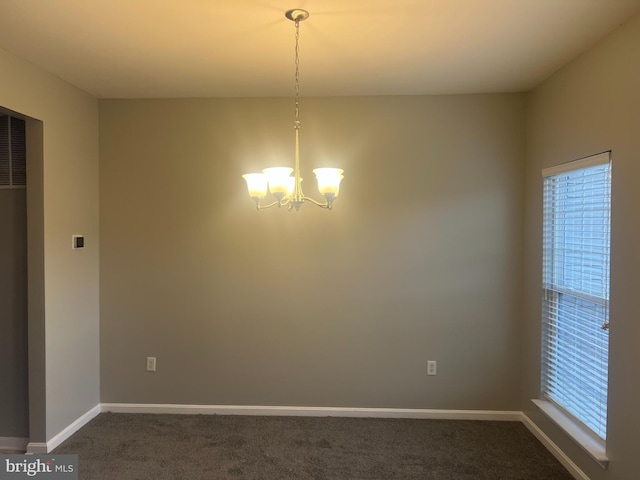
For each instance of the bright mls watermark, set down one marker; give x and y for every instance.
(50, 467)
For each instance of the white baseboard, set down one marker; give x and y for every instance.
(553, 448)
(288, 411)
(506, 415)
(37, 448)
(43, 448)
(14, 444)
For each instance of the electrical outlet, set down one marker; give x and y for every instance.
(432, 367)
(151, 364)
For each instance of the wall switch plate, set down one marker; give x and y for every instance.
(432, 367)
(151, 364)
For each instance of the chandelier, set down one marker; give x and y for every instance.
(285, 188)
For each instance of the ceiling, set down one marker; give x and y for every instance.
(239, 48)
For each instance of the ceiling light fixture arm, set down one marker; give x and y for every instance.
(291, 204)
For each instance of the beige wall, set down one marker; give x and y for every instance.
(63, 284)
(14, 418)
(592, 105)
(420, 258)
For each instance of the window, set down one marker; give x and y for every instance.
(575, 316)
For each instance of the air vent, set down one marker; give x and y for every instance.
(5, 159)
(18, 153)
(13, 152)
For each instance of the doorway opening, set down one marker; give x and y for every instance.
(22, 358)
(14, 398)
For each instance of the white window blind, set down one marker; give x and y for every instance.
(576, 252)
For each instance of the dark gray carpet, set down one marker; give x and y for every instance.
(136, 446)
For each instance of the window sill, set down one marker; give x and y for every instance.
(594, 446)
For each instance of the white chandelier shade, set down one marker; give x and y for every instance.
(329, 180)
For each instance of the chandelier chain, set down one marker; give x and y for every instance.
(296, 124)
